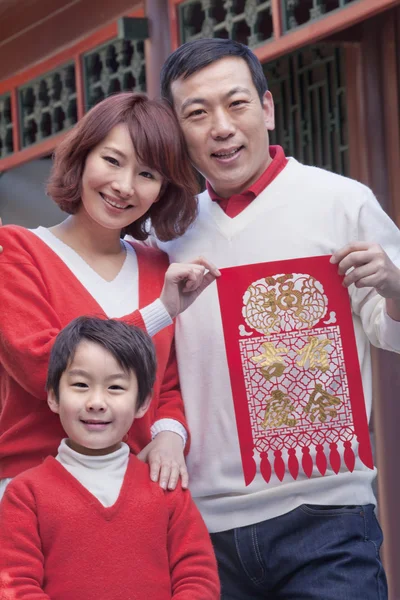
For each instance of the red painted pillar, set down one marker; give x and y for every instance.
(158, 46)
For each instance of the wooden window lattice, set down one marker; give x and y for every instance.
(245, 21)
(6, 126)
(309, 92)
(115, 67)
(48, 105)
(300, 12)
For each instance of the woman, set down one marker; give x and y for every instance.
(123, 163)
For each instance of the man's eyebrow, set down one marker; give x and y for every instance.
(236, 90)
(115, 150)
(190, 101)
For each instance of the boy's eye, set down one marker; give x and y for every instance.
(115, 387)
(111, 160)
(80, 384)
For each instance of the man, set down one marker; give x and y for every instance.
(311, 534)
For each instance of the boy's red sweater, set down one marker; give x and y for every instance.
(58, 542)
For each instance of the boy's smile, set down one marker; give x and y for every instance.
(97, 400)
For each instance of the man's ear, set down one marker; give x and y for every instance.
(269, 111)
(53, 402)
(144, 408)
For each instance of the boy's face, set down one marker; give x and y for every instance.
(97, 400)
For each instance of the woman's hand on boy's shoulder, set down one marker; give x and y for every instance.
(166, 459)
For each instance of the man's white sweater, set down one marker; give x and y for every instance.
(304, 212)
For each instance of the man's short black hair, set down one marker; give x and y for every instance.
(131, 347)
(198, 54)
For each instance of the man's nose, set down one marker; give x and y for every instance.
(223, 126)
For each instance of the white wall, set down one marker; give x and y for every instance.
(23, 199)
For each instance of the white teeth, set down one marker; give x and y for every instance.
(112, 202)
(221, 155)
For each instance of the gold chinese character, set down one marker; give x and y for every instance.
(315, 354)
(277, 412)
(271, 362)
(321, 403)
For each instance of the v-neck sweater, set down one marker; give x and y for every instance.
(303, 212)
(102, 475)
(39, 297)
(58, 542)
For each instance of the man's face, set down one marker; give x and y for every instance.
(225, 124)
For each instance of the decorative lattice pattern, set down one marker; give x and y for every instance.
(48, 105)
(245, 21)
(299, 12)
(6, 126)
(302, 403)
(115, 67)
(310, 106)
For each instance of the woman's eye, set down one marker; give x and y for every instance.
(111, 160)
(147, 175)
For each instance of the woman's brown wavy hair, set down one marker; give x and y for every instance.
(158, 142)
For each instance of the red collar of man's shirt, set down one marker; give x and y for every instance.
(235, 204)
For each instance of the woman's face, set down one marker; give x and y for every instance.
(116, 188)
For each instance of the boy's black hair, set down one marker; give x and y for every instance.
(198, 54)
(131, 347)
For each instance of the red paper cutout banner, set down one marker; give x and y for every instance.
(294, 368)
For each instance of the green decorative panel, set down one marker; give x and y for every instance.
(6, 126)
(115, 67)
(300, 12)
(47, 105)
(310, 106)
(245, 21)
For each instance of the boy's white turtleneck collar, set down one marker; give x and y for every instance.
(101, 475)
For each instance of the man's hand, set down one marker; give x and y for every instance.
(167, 462)
(184, 282)
(370, 267)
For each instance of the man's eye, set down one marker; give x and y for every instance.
(111, 160)
(238, 102)
(197, 113)
(80, 384)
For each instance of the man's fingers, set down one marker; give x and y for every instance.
(340, 254)
(355, 259)
(359, 273)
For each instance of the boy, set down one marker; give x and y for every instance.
(90, 524)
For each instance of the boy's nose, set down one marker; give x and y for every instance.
(96, 403)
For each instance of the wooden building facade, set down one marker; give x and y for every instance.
(333, 67)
